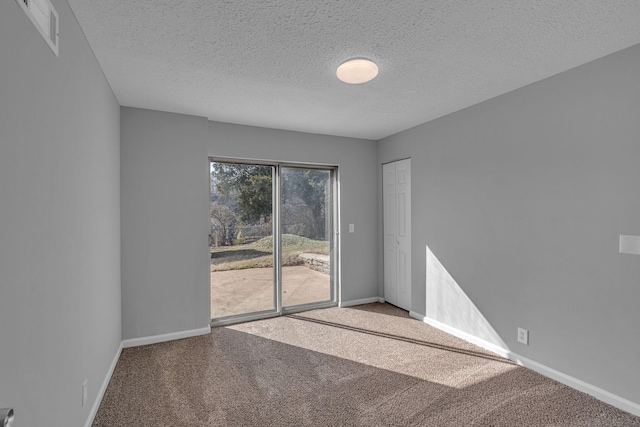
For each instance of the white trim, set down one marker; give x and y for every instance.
(415, 315)
(103, 388)
(360, 301)
(597, 392)
(575, 383)
(468, 337)
(135, 342)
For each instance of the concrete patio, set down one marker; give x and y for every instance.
(250, 290)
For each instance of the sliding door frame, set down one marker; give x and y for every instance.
(334, 241)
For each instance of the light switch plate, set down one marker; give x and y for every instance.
(630, 245)
(351, 228)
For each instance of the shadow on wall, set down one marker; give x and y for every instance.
(448, 304)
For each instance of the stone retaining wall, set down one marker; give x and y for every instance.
(317, 262)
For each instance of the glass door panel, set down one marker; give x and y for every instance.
(241, 239)
(306, 217)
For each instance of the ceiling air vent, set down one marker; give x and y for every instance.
(45, 18)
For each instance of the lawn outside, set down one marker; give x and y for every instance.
(259, 254)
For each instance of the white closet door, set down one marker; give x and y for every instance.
(397, 233)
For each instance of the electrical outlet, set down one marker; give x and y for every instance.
(523, 336)
(85, 392)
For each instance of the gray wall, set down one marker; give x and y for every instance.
(522, 199)
(164, 214)
(165, 224)
(356, 159)
(59, 221)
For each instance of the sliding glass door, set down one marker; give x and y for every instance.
(241, 212)
(272, 239)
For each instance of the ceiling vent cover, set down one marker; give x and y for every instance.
(45, 18)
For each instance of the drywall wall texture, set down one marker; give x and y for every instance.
(165, 224)
(522, 199)
(59, 222)
(356, 160)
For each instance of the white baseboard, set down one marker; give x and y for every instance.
(575, 383)
(597, 392)
(103, 388)
(467, 337)
(360, 301)
(415, 315)
(135, 342)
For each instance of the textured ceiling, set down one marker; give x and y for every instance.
(272, 63)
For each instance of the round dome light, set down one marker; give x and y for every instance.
(356, 71)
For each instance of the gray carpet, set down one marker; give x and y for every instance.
(370, 365)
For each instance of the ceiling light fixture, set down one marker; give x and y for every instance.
(357, 70)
